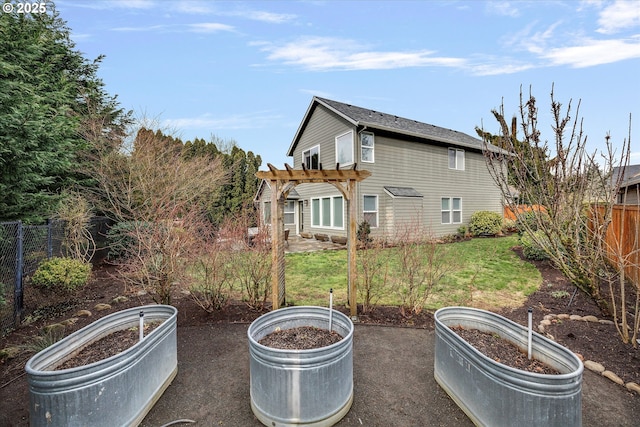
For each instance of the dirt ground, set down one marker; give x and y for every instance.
(393, 360)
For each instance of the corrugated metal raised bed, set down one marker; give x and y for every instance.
(301, 387)
(117, 391)
(493, 394)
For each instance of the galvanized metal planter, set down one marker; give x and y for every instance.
(117, 391)
(301, 387)
(493, 394)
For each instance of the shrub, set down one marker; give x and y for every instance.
(509, 225)
(364, 232)
(213, 283)
(530, 220)
(373, 267)
(531, 249)
(485, 222)
(65, 274)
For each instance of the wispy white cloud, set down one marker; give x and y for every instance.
(142, 28)
(319, 93)
(556, 47)
(113, 4)
(210, 27)
(499, 67)
(262, 16)
(255, 120)
(503, 8)
(193, 7)
(204, 27)
(594, 52)
(329, 53)
(620, 15)
(209, 8)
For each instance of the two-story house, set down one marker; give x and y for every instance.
(419, 173)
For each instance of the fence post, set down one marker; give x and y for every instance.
(49, 238)
(18, 290)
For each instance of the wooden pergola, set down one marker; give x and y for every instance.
(282, 182)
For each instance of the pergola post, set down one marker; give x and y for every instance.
(352, 243)
(277, 245)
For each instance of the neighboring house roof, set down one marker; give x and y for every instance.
(402, 191)
(371, 119)
(293, 194)
(631, 175)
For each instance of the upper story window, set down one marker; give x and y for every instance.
(344, 148)
(311, 158)
(456, 159)
(366, 146)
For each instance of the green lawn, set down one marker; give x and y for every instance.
(486, 273)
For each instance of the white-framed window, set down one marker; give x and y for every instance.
(289, 212)
(344, 148)
(456, 159)
(366, 147)
(370, 210)
(451, 209)
(315, 212)
(328, 212)
(311, 158)
(338, 212)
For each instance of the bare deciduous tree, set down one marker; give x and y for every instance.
(75, 212)
(422, 264)
(564, 179)
(153, 186)
(373, 267)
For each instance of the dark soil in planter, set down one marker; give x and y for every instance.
(502, 351)
(301, 338)
(110, 345)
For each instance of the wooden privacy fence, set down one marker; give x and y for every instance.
(510, 214)
(622, 239)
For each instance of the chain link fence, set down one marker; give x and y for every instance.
(22, 248)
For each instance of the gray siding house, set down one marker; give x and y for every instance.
(629, 192)
(420, 173)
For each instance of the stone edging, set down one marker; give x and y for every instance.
(589, 364)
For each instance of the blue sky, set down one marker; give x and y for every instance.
(247, 70)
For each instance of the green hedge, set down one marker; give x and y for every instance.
(62, 274)
(485, 223)
(531, 249)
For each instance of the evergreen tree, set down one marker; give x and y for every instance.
(48, 93)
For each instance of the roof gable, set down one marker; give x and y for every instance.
(372, 119)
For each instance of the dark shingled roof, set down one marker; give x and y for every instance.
(372, 119)
(375, 119)
(402, 191)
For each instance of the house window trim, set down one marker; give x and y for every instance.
(308, 151)
(457, 166)
(372, 148)
(377, 211)
(352, 148)
(317, 222)
(450, 210)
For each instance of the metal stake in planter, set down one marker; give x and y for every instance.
(141, 325)
(330, 308)
(530, 311)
